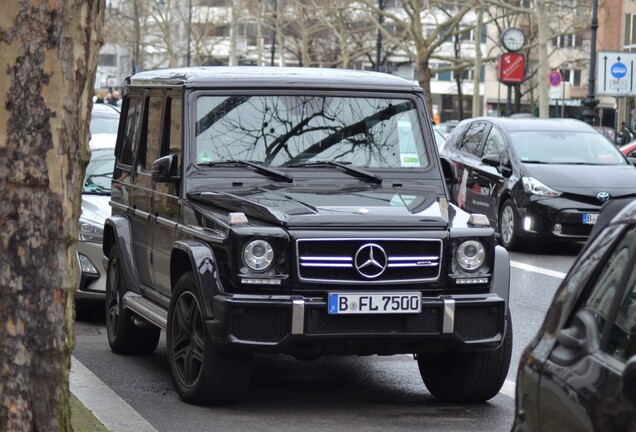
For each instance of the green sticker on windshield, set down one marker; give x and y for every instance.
(204, 157)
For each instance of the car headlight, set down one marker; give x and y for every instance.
(535, 187)
(90, 231)
(258, 255)
(470, 255)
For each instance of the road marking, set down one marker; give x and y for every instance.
(105, 404)
(508, 388)
(531, 268)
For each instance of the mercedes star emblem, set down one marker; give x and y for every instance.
(370, 260)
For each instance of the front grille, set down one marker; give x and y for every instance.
(319, 322)
(396, 260)
(261, 324)
(477, 322)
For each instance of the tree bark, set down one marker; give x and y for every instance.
(48, 55)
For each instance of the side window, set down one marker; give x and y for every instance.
(495, 144)
(622, 339)
(128, 146)
(474, 138)
(151, 145)
(173, 128)
(605, 288)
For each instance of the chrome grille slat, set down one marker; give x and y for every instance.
(332, 260)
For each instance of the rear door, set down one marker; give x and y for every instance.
(468, 156)
(580, 385)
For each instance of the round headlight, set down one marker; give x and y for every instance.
(258, 255)
(470, 255)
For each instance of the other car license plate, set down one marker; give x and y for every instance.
(375, 303)
(590, 218)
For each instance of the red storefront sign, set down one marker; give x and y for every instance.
(511, 68)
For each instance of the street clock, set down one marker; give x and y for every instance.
(513, 39)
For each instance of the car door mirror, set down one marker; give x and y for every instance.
(628, 381)
(576, 341)
(492, 160)
(165, 168)
(450, 171)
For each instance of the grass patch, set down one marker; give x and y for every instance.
(83, 419)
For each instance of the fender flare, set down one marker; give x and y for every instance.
(203, 264)
(117, 234)
(501, 274)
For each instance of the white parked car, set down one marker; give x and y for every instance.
(95, 209)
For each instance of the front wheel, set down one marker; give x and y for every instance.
(508, 226)
(202, 373)
(124, 337)
(467, 377)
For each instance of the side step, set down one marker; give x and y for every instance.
(146, 309)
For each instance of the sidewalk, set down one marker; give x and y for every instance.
(105, 404)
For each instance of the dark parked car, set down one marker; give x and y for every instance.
(579, 372)
(537, 178)
(298, 211)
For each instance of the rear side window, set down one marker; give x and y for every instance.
(474, 138)
(128, 146)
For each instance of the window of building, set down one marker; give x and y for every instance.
(107, 60)
(630, 32)
(571, 40)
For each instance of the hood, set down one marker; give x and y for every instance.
(589, 180)
(95, 208)
(334, 205)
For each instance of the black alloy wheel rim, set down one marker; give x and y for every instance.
(187, 339)
(113, 298)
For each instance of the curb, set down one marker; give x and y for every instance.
(105, 404)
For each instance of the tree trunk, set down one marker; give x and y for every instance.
(477, 70)
(48, 55)
(543, 66)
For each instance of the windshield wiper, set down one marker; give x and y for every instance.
(345, 166)
(535, 162)
(258, 167)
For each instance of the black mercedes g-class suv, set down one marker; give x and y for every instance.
(296, 211)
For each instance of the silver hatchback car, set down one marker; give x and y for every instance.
(95, 208)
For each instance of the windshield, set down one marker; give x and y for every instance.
(99, 172)
(104, 125)
(280, 131)
(565, 147)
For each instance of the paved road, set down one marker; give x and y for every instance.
(362, 393)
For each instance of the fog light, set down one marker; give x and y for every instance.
(558, 227)
(527, 223)
(86, 265)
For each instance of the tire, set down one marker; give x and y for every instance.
(467, 377)
(124, 337)
(508, 226)
(202, 373)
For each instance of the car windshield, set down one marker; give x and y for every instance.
(280, 131)
(565, 147)
(104, 124)
(99, 172)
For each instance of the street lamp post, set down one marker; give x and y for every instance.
(590, 102)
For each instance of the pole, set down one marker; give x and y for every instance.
(589, 113)
(509, 101)
(562, 95)
(378, 42)
(189, 32)
(274, 30)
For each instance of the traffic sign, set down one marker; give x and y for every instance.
(555, 78)
(616, 74)
(511, 68)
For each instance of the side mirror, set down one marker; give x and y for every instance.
(449, 170)
(628, 382)
(492, 160)
(165, 168)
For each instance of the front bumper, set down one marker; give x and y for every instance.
(301, 325)
(547, 215)
(91, 285)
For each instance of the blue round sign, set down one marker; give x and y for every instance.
(618, 70)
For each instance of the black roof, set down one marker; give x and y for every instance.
(271, 77)
(535, 123)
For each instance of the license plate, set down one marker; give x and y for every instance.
(375, 303)
(590, 218)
